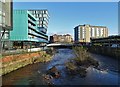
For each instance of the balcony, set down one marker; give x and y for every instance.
(35, 35)
(31, 21)
(31, 27)
(42, 30)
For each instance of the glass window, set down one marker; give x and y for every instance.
(44, 22)
(0, 19)
(83, 31)
(44, 15)
(0, 12)
(97, 31)
(3, 13)
(93, 32)
(4, 20)
(40, 15)
(1, 6)
(1, 0)
(46, 12)
(101, 31)
(6, 36)
(4, 1)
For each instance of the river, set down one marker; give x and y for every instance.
(33, 74)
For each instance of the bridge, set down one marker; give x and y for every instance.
(61, 45)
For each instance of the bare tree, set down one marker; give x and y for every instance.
(80, 53)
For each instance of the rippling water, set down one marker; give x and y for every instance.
(32, 74)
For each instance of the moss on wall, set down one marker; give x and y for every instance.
(14, 62)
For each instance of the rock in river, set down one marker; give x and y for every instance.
(54, 72)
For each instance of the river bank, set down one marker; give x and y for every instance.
(33, 74)
(13, 62)
(105, 51)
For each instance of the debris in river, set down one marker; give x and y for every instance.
(54, 72)
(48, 80)
(48, 77)
(39, 71)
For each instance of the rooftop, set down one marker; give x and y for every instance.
(91, 26)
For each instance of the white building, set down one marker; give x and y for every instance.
(83, 33)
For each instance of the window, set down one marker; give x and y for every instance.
(6, 36)
(37, 12)
(97, 30)
(44, 15)
(101, 32)
(0, 19)
(37, 22)
(46, 12)
(2, 1)
(45, 19)
(83, 31)
(44, 22)
(3, 13)
(93, 32)
(40, 15)
(0, 12)
(0, 6)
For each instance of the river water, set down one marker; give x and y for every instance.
(107, 74)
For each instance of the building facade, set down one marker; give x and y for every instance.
(67, 38)
(119, 18)
(42, 17)
(6, 9)
(83, 33)
(25, 31)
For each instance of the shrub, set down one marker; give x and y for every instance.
(81, 53)
(70, 66)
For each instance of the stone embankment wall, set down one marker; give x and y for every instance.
(106, 51)
(13, 62)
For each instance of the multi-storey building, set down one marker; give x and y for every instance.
(119, 18)
(107, 41)
(83, 33)
(25, 31)
(67, 38)
(42, 19)
(54, 38)
(5, 22)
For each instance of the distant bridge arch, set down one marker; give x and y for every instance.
(60, 45)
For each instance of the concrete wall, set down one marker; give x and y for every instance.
(107, 51)
(16, 61)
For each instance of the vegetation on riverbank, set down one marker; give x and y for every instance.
(16, 61)
(81, 62)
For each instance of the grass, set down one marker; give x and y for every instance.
(18, 52)
(71, 66)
